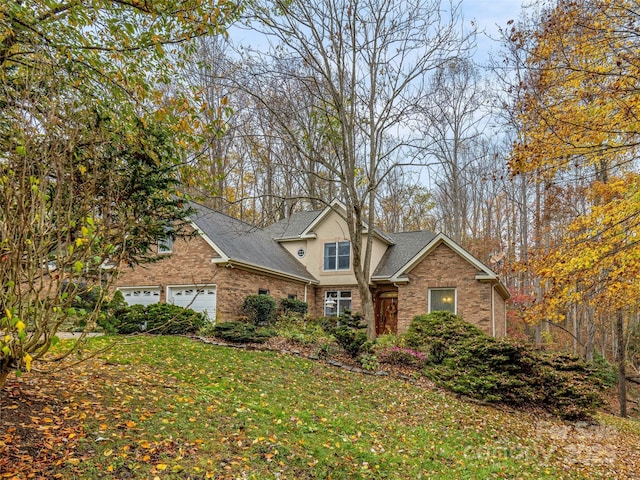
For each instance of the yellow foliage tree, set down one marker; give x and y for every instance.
(580, 113)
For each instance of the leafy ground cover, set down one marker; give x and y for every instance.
(173, 408)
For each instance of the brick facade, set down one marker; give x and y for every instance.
(443, 268)
(191, 264)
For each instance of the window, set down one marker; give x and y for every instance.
(336, 302)
(165, 245)
(337, 256)
(301, 253)
(263, 291)
(292, 296)
(442, 299)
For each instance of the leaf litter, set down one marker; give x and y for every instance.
(173, 408)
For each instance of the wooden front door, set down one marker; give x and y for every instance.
(387, 312)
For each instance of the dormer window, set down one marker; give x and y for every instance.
(337, 256)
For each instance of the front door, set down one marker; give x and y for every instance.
(387, 313)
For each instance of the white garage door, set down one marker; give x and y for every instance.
(198, 298)
(141, 295)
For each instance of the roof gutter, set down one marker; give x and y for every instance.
(495, 281)
(258, 268)
(309, 236)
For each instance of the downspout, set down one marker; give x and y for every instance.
(493, 309)
(504, 315)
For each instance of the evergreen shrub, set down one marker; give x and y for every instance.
(460, 357)
(240, 332)
(157, 319)
(293, 306)
(259, 309)
(350, 333)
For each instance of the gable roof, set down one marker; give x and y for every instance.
(294, 226)
(406, 246)
(240, 243)
(412, 247)
(300, 225)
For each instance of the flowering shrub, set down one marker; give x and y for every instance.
(402, 356)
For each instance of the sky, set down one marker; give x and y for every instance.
(489, 16)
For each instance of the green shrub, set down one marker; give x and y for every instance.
(390, 340)
(116, 302)
(111, 310)
(328, 324)
(350, 333)
(440, 327)
(207, 329)
(239, 332)
(369, 362)
(259, 309)
(167, 319)
(401, 356)
(605, 371)
(158, 319)
(301, 330)
(463, 359)
(293, 306)
(131, 319)
(350, 340)
(306, 334)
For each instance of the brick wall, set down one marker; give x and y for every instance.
(445, 268)
(190, 264)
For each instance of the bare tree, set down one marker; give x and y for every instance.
(366, 66)
(404, 203)
(455, 129)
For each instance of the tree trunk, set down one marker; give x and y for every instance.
(4, 374)
(622, 367)
(591, 335)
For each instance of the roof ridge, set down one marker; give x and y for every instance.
(422, 230)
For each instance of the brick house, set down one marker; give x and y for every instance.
(308, 257)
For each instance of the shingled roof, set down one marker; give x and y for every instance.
(406, 246)
(299, 224)
(246, 244)
(294, 226)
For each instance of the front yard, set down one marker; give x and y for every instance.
(171, 407)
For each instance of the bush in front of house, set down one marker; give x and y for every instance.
(293, 306)
(463, 359)
(350, 333)
(167, 319)
(401, 356)
(157, 319)
(240, 332)
(259, 309)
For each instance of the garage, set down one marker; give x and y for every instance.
(201, 298)
(140, 295)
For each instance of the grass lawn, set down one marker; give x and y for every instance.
(170, 407)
